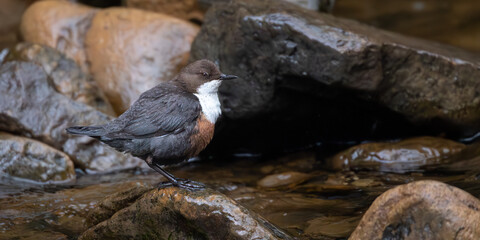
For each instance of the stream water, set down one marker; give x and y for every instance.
(293, 193)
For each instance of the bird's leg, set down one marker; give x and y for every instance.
(173, 181)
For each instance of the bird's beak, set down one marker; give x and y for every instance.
(227, 77)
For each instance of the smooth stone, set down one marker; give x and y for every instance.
(67, 77)
(421, 210)
(407, 155)
(31, 160)
(124, 65)
(61, 25)
(283, 179)
(30, 106)
(173, 213)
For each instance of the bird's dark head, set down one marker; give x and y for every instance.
(201, 76)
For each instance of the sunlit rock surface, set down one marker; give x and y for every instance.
(403, 156)
(32, 160)
(31, 107)
(131, 51)
(421, 210)
(59, 24)
(180, 214)
(186, 9)
(65, 74)
(289, 59)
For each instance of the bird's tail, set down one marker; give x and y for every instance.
(92, 131)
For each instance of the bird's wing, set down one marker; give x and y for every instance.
(162, 110)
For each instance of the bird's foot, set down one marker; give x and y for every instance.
(183, 183)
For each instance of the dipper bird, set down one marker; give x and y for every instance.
(169, 123)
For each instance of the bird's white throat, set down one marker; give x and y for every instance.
(207, 94)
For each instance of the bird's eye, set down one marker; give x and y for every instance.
(205, 74)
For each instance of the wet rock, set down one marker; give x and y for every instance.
(39, 213)
(125, 65)
(406, 155)
(421, 210)
(31, 107)
(189, 10)
(458, 27)
(283, 179)
(61, 25)
(180, 214)
(25, 158)
(67, 77)
(287, 57)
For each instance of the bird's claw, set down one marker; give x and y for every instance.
(183, 183)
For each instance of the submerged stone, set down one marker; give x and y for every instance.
(65, 74)
(407, 155)
(302, 71)
(30, 106)
(174, 213)
(421, 210)
(26, 158)
(283, 179)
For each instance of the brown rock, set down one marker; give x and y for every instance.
(67, 77)
(59, 24)
(25, 158)
(131, 51)
(459, 25)
(173, 213)
(187, 9)
(332, 226)
(406, 155)
(421, 210)
(283, 179)
(31, 107)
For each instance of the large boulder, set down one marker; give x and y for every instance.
(131, 51)
(30, 106)
(65, 74)
(173, 213)
(421, 210)
(59, 24)
(314, 74)
(26, 158)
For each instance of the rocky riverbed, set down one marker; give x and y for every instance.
(334, 130)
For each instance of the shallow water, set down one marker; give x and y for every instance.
(314, 204)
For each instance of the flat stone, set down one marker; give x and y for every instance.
(403, 156)
(421, 210)
(286, 57)
(31, 107)
(67, 77)
(180, 214)
(61, 25)
(131, 51)
(26, 158)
